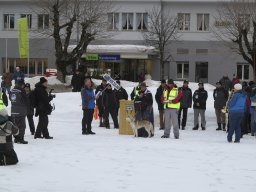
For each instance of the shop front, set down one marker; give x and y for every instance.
(130, 62)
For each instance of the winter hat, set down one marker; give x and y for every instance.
(43, 80)
(3, 116)
(163, 81)
(238, 87)
(201, 83)
(170, 81)
(143, 84)
(118, 82)
(218, 83)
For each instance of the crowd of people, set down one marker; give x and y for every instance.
(25, 103)
(234, 103)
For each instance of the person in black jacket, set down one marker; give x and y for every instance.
(7, 154)
(143, 105)
(185, 103)
(19, 110)
(109, 103)
(43, 109)
(77, 81)
(220, 96)
(30, 109)
(99, 89)
(158, 97)
(120, 94)
(199, 98)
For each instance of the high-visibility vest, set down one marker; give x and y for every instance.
(172, 95)
(136, 92)
(2, 106)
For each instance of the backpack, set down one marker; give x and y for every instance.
(33, 99)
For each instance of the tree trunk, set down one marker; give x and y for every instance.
(161, 66)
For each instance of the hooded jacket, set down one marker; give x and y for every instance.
(19, 101)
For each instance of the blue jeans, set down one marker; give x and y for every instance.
(235, 120)
(253, 120)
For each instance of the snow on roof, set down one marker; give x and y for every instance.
(126, 48)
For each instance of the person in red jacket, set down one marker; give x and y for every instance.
(171, 100)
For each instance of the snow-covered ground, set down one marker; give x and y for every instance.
(107, 162)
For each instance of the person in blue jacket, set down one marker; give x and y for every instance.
(236, 108)
(18, 76)
(88, 106)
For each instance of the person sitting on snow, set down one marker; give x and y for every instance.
(7, 154)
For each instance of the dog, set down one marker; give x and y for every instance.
(136, 125)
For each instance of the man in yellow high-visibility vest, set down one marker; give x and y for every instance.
(171, 101)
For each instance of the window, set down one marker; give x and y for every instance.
(29, 18)
(202, 22)
(184, 21)
(141, 21)
(244, 21)
(182, 51)
(43, 21)
(243, 71)
(113, 21)
(182, 70)
(127, 21)
(201, 51)
(9, 21)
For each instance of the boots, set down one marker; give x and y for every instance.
(20, 141)
(224, 126)
(219, 127)
(101, 122)
(196, 127)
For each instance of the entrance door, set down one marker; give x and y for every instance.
(202, 72)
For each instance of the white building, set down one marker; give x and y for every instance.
(197, 55)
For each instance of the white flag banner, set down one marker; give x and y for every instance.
(111, 81)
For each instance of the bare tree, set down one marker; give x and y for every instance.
(161, 31)
(80, 21)
(237, 24)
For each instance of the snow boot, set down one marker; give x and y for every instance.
(195, 128)
(219, 127)
(20, 141)
(224, 126)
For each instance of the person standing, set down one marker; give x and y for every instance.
(120, 94)
(99, 91)
(7, 82)
(236, 108)
(252, 98)
(30, 108)
(199, 98)
(7, 154)
(88, 106)
(18, 76)
(226, 82)
(158, 98)
(43, 109)
(109, 103)
(77, 81)
(171, 100)
(143, 104)
(185, 103)
(18, 99)
(235, 80)
(220, 96)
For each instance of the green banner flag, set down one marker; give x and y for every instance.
(23, 37)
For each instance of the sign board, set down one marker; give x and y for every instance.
(104, 57)
(111, 81)
(92, 57)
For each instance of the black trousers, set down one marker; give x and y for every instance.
(42, 127)
(184, 117)
(31, 123)
(112, 112)
(87, 120)
(8, 158)
(20, 122)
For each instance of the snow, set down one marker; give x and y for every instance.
(107, 162)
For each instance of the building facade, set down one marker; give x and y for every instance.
(196, 56)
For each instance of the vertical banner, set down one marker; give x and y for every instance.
(23, 37)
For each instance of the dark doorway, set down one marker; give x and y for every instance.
(201, 72)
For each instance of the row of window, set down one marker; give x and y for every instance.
(42, 21)
(129, 21)
(183, 71)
